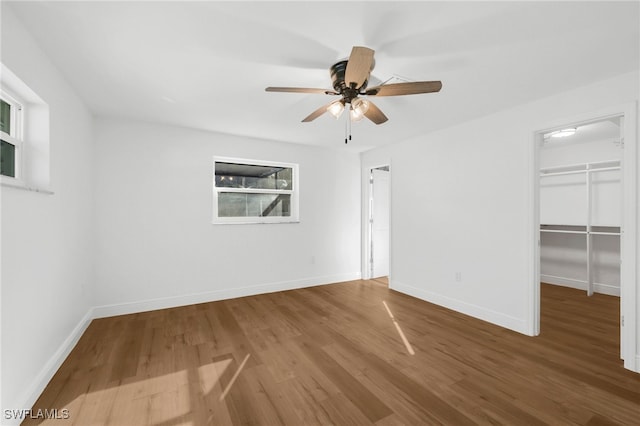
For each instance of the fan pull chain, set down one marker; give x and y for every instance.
(346, 130)
(347, 127)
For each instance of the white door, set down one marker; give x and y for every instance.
(380, 223)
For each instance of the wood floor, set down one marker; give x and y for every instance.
(335, 355)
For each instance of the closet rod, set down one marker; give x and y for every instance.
(573, 172)
(561, 231)
(595, 163)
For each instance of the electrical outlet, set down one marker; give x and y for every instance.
(458, 276)
(313, 260)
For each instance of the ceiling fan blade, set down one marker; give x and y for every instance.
(374, 114)
(300, 90)
(399, 89)
(359, 66)
(317, 113)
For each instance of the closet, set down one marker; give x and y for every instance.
(580, 207)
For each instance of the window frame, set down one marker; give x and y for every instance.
(294, 217)
(15, 136)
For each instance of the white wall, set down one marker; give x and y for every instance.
(46, 239)
(563, 199)
(461, 203)
(156, 245)
(563, 261)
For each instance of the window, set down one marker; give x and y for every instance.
(247, 191)
(24, 135)
(10, 135)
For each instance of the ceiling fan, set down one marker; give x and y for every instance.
(350, 78)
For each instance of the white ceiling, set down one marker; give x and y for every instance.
(205, 64)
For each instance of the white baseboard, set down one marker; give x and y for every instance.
(608, 289)
(630, 365)
(494, 317)
(31, 395)
(212, 296)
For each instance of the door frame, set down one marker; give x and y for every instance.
(366, 215)
(629, 231)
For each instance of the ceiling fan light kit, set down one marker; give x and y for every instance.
(359, 108)
(350, 78)
(336, 108)
(563, 133)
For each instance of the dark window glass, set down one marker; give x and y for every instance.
(5, 117)
(7, 159)
(251, 176)
(235, 204)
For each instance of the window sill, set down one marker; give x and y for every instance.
(8, 182)
(253, 222)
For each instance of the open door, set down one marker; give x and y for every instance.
(379, 222)
(595, 227)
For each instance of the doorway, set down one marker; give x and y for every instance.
(584, 214)
(379, 224)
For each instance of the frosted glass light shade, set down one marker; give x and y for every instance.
(358, 109)
(336, 109)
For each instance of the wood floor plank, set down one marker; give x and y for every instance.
(413, 412)
(333, 355)
(238, 340)
(307, 406)
(310, 380)
(495, 401)
(372, 407)
(342, 411)
(437, 406)
(271, 397)
(239, 399)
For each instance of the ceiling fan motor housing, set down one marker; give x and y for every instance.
(337, 72)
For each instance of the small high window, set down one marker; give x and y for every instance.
(247, 191)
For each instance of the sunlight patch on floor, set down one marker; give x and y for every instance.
(210, 374)
(152, 400)
(233, 379)
(402, 336)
